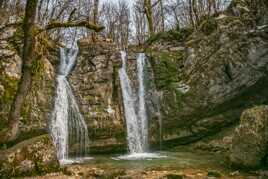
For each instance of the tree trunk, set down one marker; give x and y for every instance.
(162, 15)
(215, 6)
(25, 81)
(95, 18)
(191, 13)
(149, 15)
(195, 12)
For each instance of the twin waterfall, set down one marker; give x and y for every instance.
(68, 127)
(135, 108)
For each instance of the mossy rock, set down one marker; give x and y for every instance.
(31, 157)
(249, 143)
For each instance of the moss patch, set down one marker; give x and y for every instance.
(165, 66)
(171, 35)
(10, 88)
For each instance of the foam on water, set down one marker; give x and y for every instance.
(77, 160)
(140, 156)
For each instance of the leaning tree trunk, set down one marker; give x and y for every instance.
(25, 81)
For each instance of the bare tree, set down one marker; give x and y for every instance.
(124, 23)
(116, 18)
(139, 22)
(191, 12)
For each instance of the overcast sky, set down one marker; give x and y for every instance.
(130, 1)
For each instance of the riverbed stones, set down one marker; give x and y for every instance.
(250, 140)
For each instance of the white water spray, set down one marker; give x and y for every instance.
(135, 113)
(67, 124)
(133, 133)
(142, 114)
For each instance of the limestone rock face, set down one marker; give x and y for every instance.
(206, 85)
(250, 140)
(39, 101)
(95, 83)
(34, 156)
(152, 102)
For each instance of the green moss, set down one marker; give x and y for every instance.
(165, 66)
(115, 83)
(171, 35)
(16, 40)
(208, 25)
(167, 77)
(10, 88)
(38, 68)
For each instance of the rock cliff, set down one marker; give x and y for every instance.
(208, 77)
(39, 101)
(95, 82)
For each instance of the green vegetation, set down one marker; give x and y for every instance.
(10, 88)
(208, 25)
(165, 66)
(16, 40)
(171, 35)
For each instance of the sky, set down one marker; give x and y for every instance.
(130, 1)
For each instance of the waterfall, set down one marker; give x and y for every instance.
(142, 107)
(136, 119)
(133, 134)
(68, 126)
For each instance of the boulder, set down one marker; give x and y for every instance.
(249, 143)
(30, 157)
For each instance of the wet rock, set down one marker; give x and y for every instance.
(34, 156)
(95, 83)
(250, 140)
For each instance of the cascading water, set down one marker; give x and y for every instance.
(133, 133)
(142, 116)
(67, 125)
(136, 117)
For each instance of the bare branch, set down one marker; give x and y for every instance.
(83, 23)
(11, 25)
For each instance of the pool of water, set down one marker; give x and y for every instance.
(160, 160)
(178, 164)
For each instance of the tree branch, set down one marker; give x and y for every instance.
(10, 25)
(83, 23)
